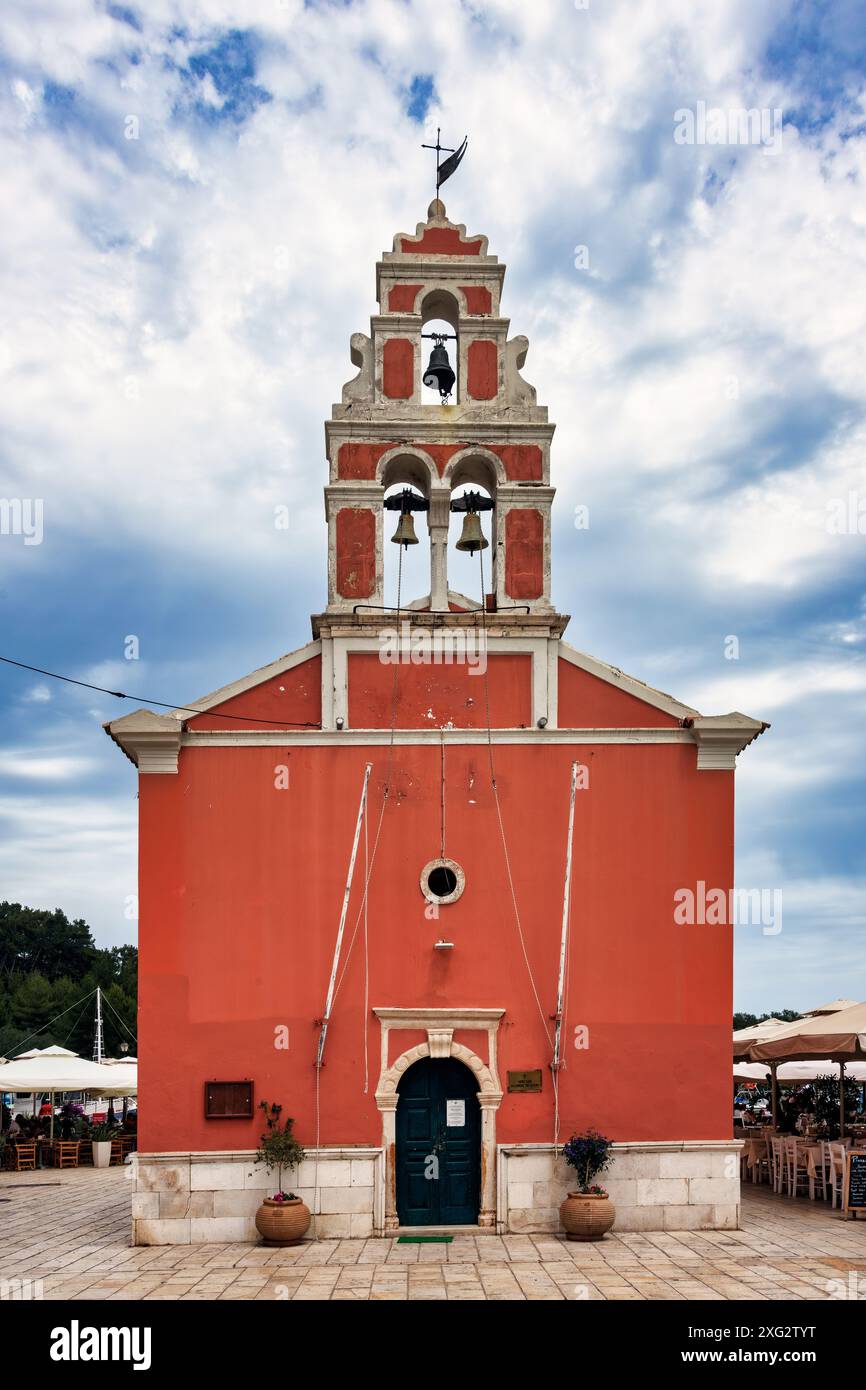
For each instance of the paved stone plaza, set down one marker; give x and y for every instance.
(70, 1229)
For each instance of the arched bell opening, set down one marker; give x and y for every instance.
(406, 561)
(472, 542)
(440, 356)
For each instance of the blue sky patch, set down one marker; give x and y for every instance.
(421, 95)
(230, 64)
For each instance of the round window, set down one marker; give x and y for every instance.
(442, 881)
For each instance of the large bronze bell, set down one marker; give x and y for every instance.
(439, 375)
(472, 536)
(405, 533)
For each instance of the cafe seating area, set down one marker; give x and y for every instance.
(26, 1155)
(798, 1166)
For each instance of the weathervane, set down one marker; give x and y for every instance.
(446, 169)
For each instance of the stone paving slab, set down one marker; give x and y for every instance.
(67, 1231)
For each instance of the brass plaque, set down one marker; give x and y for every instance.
(524, 1080)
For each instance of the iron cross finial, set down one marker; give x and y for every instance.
(447, 167)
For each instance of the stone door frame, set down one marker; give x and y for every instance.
(440, 1026)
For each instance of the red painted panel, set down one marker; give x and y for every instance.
(442, 454)
(478, 299)
(398, 369)
(241, 887)
(401, 298)
(294, 697)
(588, 702)
(522, 462)
(440, 241)
(428, 696)
(524, 553)
(356, 552)
(482, 373)
(359, 461)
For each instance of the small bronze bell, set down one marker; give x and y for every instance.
(405, 533)
(472, 536)
(439, 375)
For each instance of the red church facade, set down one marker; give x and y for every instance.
(250, 800)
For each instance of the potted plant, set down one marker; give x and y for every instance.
(588, 1213)
(282, 1219)
(102, 1136)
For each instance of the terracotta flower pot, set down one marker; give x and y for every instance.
(587, 1215)
(283, 1223)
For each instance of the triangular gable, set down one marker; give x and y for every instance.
(287, 692)
(594, 695)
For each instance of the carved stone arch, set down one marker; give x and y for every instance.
(490, 475)
(391, 1076)
(410, 465)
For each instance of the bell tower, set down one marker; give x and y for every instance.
(488, 431)
(477, 443)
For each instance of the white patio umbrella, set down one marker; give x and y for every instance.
(120, 1078)
(55, 1069)
(790, 1073)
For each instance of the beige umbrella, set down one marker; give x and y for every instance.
(833, 1008)
(755, 1032)
(840, 1036)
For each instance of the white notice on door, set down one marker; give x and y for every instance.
(455, 1113)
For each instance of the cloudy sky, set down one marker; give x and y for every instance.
(196, 193)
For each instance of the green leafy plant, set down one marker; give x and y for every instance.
(588, 1154)
(102, 1133)
(278, 1147)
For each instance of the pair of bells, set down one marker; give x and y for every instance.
(471, 537)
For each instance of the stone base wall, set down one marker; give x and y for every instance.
(687, 1186)
(211, 1198)
(205, 1198)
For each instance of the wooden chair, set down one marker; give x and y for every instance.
(837, 1170)
(85, 1153)
(116, 1152)
(777, 1147)
(760, 1165)
(64, 1153)
(21, 1158)
(796, 1168)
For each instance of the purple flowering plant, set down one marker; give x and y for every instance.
(588, 1154)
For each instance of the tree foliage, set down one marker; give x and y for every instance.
(48, 967)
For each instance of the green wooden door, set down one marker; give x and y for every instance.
(438, 1145)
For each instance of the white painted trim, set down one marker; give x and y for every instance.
(363, 738)
(630, 684)
(240, 687)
